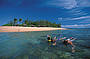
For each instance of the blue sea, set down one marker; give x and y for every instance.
(34, 45)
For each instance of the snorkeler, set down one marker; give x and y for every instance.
(64, 40)
(69, 41)
(49, 39)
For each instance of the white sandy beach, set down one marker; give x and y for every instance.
(27, 29)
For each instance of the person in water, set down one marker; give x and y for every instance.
(64, 40)
(69, 41)
(49, 39)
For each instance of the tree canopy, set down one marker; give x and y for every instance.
(29, 23)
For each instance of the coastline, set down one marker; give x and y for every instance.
(27, 29)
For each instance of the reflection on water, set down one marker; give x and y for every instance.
(33, 45)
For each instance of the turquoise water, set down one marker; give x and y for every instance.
(33, 45)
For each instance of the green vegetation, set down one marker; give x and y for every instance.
(15, 21)
(28, 23)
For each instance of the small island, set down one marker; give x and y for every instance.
(28, 25)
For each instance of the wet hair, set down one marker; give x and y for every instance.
(65, 42)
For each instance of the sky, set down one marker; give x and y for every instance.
(70, 13)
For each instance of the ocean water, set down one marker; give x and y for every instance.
(34, 45)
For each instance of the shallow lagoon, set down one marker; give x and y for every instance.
(33, 45)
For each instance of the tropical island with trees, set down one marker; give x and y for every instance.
(20, 25)
(29, 23)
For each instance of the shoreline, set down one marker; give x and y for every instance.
(27, 29)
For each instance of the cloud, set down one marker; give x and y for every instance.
(67, 4)
(77, 26)
(85, 21)
(77, 11)
(83, 3)
(78, 18)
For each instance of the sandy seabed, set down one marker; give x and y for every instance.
(27, 29)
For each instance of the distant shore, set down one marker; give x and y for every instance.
(27, 29)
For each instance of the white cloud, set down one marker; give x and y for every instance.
(77, 26)
(84, 17)
(68, 4)
(81, 13)
(83, 3)
(77, 11)
(85, 21)
(78, 18)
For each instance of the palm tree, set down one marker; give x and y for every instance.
(11, 23)
(26, 22)
(20, 20)
(15, 21)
